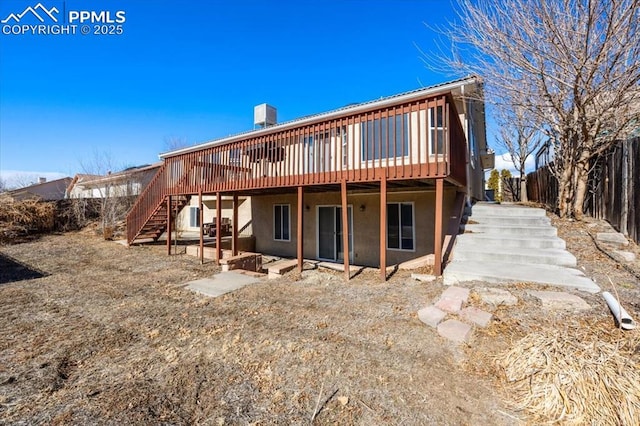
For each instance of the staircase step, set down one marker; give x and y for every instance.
(485, 241)
(510, 220)
(472, 252)
(483, 209)
(512, 230)
(497, 272)
(280, 267)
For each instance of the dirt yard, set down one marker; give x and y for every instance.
(97, 333)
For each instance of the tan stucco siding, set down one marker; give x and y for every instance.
(209, 210)
(366, 224)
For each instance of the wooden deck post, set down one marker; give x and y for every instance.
(299, 236)
(437, 235)
(345, 229)
(218, 226)
(383, 227)
(234, 228)
(201, 214)
(169, 225)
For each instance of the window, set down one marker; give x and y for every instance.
(386, 137)
(436, 130)
(345, 146)
(194, 217)
(471, 134)
(400, 229)
(281, 222)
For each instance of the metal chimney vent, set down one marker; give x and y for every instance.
(264, 115)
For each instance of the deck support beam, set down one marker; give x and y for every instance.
(383, 227)
(345, 229)
(299, 236)
(218, 227)
(200, 220)
(437, 235)
(169, 230)
(234, 228)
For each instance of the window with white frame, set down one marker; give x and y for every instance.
(194, 217)
(281, 222)
(400, 226)
(345, 152)
(436, 130)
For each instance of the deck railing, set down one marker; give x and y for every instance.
(409, 141)
(147, 202)
(414, 140)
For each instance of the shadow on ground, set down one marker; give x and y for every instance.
(12, 270)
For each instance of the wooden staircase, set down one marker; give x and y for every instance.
(148, 216)
(156, 224)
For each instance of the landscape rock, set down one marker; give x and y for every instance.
(476, 316)
(452, 299)
(455, 330)
(431, 316)
(559, 300)
(625, 256)
(612, 238)
(496, 296)
(425, 278)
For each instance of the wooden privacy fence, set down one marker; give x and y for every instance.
(542, 187)
(614, 184)
(614, 188)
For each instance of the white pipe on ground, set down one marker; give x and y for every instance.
(623, 318)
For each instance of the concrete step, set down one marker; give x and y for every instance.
(280, 267)
(547, 231)
(497, 272)
(510, 220)
(506, 210)
(477, 253)
(485, 241)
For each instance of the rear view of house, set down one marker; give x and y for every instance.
(372, 184)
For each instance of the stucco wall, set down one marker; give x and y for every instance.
(209, 204)
(366, 224)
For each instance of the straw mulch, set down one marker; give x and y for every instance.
(581, 372)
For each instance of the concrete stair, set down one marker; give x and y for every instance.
(508, 243)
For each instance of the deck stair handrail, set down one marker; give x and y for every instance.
(147, 203)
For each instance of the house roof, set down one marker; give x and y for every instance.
(405, 96)
(47, 191)
(88, 179)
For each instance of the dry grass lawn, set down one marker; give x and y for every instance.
(110, 335)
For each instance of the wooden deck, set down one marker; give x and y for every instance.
(420, 139)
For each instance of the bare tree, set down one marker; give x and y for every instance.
(569, 64)
(521, 138)
(172, 143)
(114, 194)
(23, 181)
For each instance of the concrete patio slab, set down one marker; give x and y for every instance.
(222, 283)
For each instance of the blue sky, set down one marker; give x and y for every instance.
(194, 70)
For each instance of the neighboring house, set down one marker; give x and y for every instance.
(46, 191)
(371, 184)
(126, 183)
